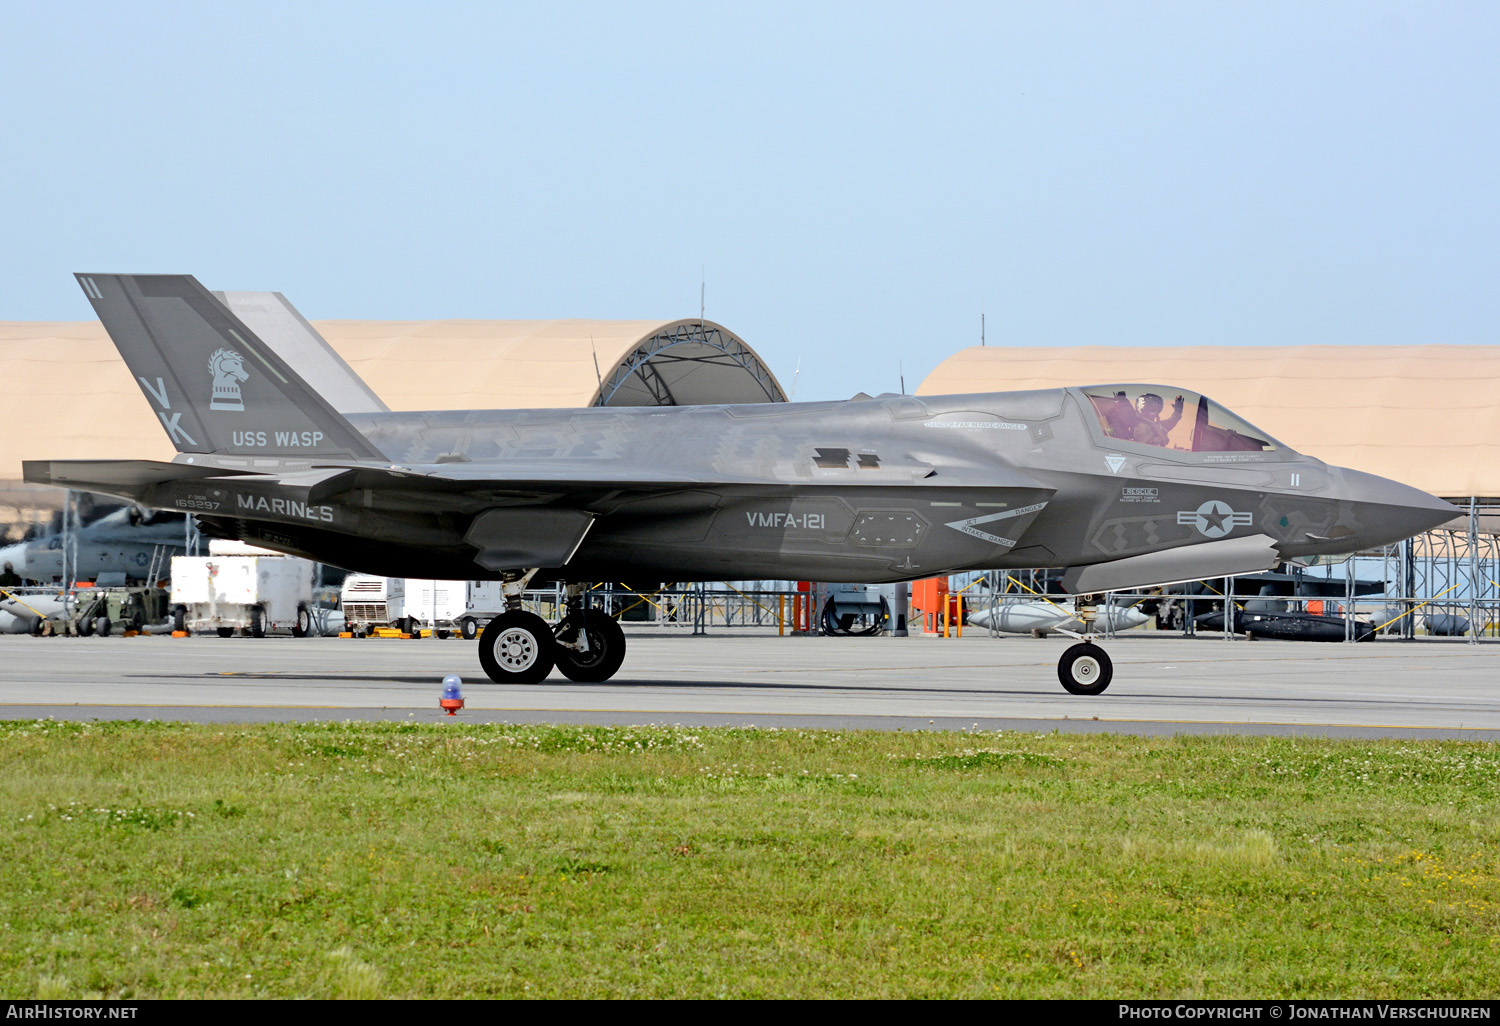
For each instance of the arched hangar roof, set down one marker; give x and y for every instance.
(476, 365)
(67, 394)
(1423, 415)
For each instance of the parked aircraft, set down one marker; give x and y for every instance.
(126, 540)
(866, 490)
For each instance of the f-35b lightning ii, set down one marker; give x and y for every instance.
(1126, 485)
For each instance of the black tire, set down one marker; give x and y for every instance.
(226, 632)
(303, 625)
(469, 628)
(1085, 670)
(517, 648)
(85, 626)
(442, 635)
(102, 626)
(606, 647)
(257, 628)
(179, 618)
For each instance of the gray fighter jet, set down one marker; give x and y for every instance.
(127, 540)
(1127, 485)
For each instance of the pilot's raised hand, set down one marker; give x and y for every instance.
(1177, 404)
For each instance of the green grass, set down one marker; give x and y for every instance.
(370, 860)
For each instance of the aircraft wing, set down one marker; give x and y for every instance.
(520, 477)
(525, 512)
(564, 480)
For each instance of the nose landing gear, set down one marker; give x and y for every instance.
(1085, 668)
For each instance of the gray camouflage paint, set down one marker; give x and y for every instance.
(868, 490)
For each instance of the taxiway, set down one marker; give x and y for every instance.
(1162, 685)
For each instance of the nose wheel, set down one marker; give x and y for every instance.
(1085, 670)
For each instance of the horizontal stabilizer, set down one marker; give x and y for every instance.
(115, 477)
(1223, 558)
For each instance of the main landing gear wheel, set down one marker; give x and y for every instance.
(606, 647)
(1085, 670)
(517, 648)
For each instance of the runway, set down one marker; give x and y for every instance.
(1163, 684)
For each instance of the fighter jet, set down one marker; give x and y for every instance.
(127, 540)
(1103, 480)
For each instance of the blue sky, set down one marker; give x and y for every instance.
(859, 180)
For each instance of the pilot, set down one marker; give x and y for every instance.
(1151, 429)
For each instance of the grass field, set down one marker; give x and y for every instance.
(370, 860)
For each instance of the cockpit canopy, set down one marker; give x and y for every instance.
(1170, 418)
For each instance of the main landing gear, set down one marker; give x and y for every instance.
(518, 647)
(1084, 669)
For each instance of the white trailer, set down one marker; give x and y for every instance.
(483, 601)
(461, 605)
(408, 604)
(252, 593)
(437, 605)
(369, 602)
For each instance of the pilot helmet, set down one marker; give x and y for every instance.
(1149, 404)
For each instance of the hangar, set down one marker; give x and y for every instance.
(67, 394)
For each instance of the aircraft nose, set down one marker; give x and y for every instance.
(15, 555)
(1387, 511)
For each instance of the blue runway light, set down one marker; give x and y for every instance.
(453, 696)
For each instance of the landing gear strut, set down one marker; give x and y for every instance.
(1084, 669)
(518, 647)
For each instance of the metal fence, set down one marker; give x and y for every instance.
(691, 608)
(1444, 584)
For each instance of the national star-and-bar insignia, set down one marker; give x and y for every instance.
(1214, 519)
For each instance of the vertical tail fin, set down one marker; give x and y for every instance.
(215, 385)
(286, 331)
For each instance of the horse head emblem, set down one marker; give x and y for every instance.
(228, 368)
